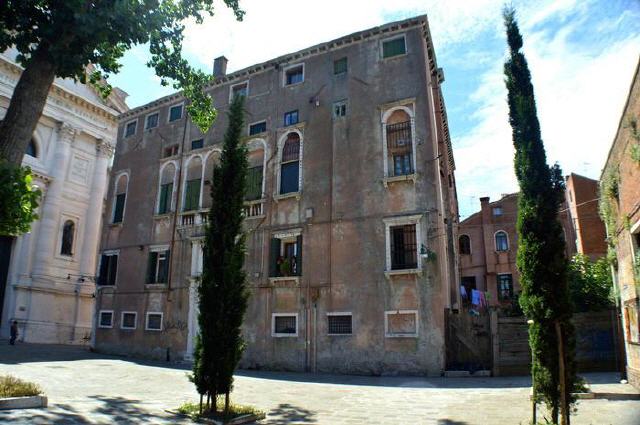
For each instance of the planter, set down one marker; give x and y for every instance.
(23, 402)
(240, 420)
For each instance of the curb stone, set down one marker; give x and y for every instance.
(23, 402)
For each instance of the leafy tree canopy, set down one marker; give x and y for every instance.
(590, 283)
(75, 33)
(19, 199)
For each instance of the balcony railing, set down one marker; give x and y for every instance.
(200, 218)
(253, 209)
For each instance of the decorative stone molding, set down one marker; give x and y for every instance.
(104, 148)
(67, 132)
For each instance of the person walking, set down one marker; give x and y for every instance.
(14, 332)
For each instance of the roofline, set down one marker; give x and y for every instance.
(626, 106)
(420, 20)
(508, 195)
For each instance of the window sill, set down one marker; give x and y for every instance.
(391, 273)
(294, 84)
(119, 224)
(168, 214)
(285, 335)
(390, 58)
(155, 286)
(404, 178)
(400, 335)
(281, 197)
(340, 334)
(282, 280)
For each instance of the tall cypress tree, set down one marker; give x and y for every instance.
(541, 249)
(222, 289)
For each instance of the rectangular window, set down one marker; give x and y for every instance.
(286, 256)
(340, 66)
(106, 319)
(339, 323)
(404, 252)
(257, 128)
(294, 75)
(241, 90)
(505, 287)
(289, 177)
(399, 146)
(291, 118)
(402, 165)
(154, 322)
(497, 211)
(128, 320)
(158, 268)
(254, 184)
(197, 144)
(340, 109)
(118, 211)
(164, 205)
(401, 323)
(108, 269)
(170, 151)
(130, 128)
(175, 113)
(192, 195)
(152, 121)
(284, 325)
(394, 47)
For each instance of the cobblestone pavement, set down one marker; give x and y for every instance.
(86, 387)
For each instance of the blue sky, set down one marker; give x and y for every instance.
(582, 55)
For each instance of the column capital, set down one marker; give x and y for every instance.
(104, 148)
(67, 132)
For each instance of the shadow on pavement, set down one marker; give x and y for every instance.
(450, 422)
(287, 414)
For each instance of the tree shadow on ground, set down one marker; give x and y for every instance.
(287, 414)
(451, 422)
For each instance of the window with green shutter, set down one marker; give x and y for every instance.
(394, 47)
(192, 195)
(164, 206)
(254, 184)
(340, 66)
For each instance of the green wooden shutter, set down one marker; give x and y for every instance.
(299, 255)
(151, 268)
(192, 197)
(393, 47)
(274, 253)
(165, 198)
(113, 269)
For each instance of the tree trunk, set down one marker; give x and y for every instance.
(226, 403)
(27, 104)
(214, 402)
(201, 404)
(208, 400)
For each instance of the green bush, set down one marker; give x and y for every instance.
(14, 387)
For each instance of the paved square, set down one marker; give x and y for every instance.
(86, 387)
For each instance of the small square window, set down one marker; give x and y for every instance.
(285, 325)
(175, 113)
(241, 90)
(128, 320)
(130, 128)
(294, 75)
(154, 322)
(257, 128)
(394, 47)
(291, 118)
(197, 144)
(340, 109)
(152, 121)
(170, 151)
(106, 318)
(497, 211)
(340, 66)
(339, 323)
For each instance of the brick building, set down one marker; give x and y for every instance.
(587, 228)
(350, 211)
(620, 182)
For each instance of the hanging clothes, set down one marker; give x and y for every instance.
(483, 300)
(463, 292)
(475, 297)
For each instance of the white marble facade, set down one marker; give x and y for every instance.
(50, 283)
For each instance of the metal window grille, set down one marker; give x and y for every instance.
(291, 150)
(399, 137)
(340, 324)
(128, 320)
(285, 324)
(154, 321)
(404, 252)
(106, 319)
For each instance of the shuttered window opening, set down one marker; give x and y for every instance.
(254, 184)
(164, 205)
(192, 195)
(340, 66)
(285, 257)
(394, 47)
(108, 269)
(175, 113)
(158, 268)
(339, 324)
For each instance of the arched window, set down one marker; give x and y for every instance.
(68, 230)
(193, 185)
(290, 165)
(464, 245)
(32, 149)
(119, 198)
(502, 241)
(399, 144)
(255, 174)
(165, 195)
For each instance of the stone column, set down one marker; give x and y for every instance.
(92, 219)
(48, 229)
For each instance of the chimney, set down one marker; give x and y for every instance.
(220, 66)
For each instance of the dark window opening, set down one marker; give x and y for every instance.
(197, 144)
(286, 257)
(106, 319)
(294, 75)
(464, 245)
(257, 128)
(340, 66)
(129, 320)
(118, 211)
(130, 129)
(340, 109)
(154, 321)
(108, 269)
(505, 287)
(404, 253)
(339, 324)
(291, 118)
(469, 284)
(502, 242)
(32, 150)
(399, 146)
(290, 165)
(175, 113)
(152, 121)
(285, 325)
(68, 231)
(158, 267)
(170, 151)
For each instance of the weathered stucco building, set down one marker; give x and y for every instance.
(46, 275)
(350, 211)
(620, 183)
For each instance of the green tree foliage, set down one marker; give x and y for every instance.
(590, 283)
(541, 260)
(62, 38)
(19, 199)
(222, 290)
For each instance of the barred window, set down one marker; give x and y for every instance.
(154, 322)
(404, 251)
(285, 325)
(129, 319)
(339, 324)
(106, 319)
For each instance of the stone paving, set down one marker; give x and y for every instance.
(86, 387)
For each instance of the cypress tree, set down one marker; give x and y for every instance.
(222, 290)
(541, 257)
